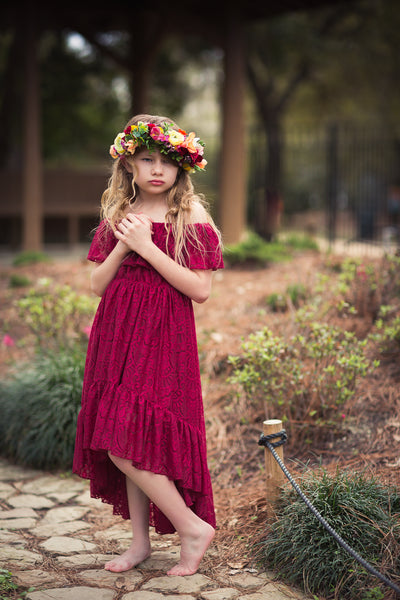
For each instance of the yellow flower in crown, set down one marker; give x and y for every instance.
(118, 143)
(175, 137)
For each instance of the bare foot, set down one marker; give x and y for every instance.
(192, 551)
(129, 559)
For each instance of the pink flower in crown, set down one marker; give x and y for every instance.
(156, 132)
(8, 341)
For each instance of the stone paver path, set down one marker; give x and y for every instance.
(53, 538)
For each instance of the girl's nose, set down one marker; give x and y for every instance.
(157, 166)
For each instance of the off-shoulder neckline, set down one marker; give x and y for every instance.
(163, 223)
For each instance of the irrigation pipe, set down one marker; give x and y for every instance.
(265, 440)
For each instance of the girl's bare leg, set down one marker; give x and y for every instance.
(140, 548)
(195, 534)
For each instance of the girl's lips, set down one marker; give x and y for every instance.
(156, 182)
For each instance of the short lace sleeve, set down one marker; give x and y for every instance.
(102, 244)
(205, 252)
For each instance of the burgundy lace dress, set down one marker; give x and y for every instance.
(142, 395)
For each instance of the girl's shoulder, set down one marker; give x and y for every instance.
(198, 213)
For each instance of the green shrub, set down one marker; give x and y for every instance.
(361, 510)
(39, 407)
(277, 302)
(295, 294)
(301, 242)
(9, 589)
(387, 332)
(30, 257)
(258, 251)
(303, 380)
(17, 280)
(6, 583)
(56, 315)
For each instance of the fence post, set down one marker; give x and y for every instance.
(274, 474)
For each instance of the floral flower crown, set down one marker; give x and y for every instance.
(184, 148)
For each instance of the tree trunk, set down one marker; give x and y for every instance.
(269, 207)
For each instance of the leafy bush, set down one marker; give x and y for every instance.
(30, 257)
(303, 380)
(39, 408)
(294, 295)
(56, 315)
(17, 280)
(361, 510)
(301, 242)
(363, 288)
(387, 333)
(256, 250)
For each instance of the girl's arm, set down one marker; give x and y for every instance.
(104, 272)
(135, 232)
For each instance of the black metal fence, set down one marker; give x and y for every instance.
(340, 182)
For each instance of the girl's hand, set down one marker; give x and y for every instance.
(135, 231)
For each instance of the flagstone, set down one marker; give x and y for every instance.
(63, 514)
(11, 537)
(18, 556)
(220, 594)
(17, 523)
(173, 583)
(61, 497)
(141, 595)
(66, 545)
(161, 560)
(115, 533)
(102, 578)
(6, 490)
(62, 528)
(10, 472)
(52, 484)
(30, 501)
(247, 581)
(83, 560)
(18, 513)
(37, 578)
(72, 593)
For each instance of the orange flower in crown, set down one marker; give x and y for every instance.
(186, 149)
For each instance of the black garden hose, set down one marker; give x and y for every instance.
(265, 440)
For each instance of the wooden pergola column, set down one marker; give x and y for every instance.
(233, 158)
(32, 172)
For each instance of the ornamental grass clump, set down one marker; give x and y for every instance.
(361, 510)
(39, 408)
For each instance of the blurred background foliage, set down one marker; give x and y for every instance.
(337, 62)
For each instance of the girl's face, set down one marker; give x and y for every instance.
(155, 172)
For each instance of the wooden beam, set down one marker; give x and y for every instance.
(32, 194)
(233, 154)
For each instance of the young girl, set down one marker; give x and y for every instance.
(141, 433)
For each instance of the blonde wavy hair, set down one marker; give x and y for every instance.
(182, 201)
